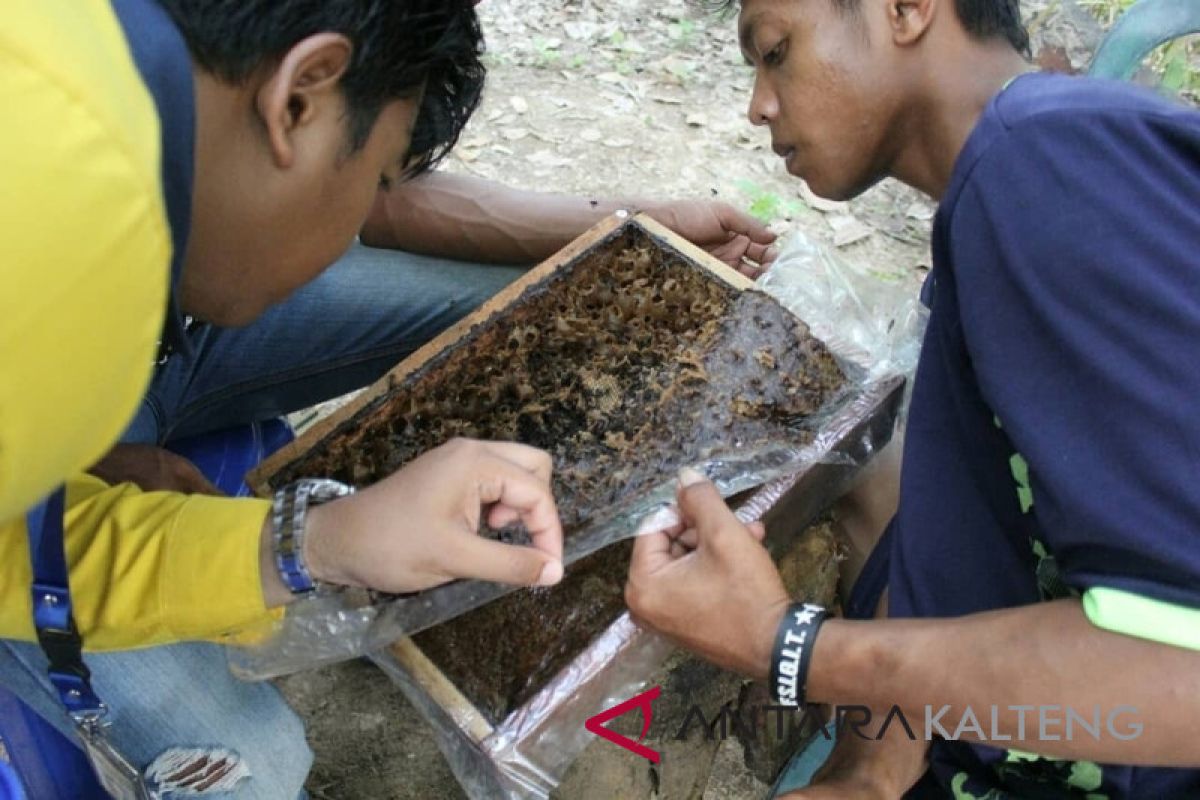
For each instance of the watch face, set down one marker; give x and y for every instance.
(322, 490)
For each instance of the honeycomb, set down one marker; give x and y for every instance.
(624, 365)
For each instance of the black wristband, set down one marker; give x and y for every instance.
(792, 654)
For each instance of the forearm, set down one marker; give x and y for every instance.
(474, 219)
(146, 568)
(1048, 657)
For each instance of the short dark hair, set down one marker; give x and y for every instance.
(983, 19)
(401, 48)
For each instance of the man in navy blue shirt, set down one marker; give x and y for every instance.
(1044, 561)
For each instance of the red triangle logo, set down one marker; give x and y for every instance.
(644, 701)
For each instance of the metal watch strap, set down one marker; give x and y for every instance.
(288, 526)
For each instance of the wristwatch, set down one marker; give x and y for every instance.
(288, 516)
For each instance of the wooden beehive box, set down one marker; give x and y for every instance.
(627, 355)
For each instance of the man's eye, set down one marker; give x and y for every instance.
(385, 183)
(774, 56)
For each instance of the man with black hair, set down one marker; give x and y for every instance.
(1042, 568)
(129, 166)
(270, 129)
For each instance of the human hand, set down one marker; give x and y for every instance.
(734, 237)
(419, 527)
(709, 584)
(151, 469)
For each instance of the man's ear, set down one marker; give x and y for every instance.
(910, 19)
(304, 82)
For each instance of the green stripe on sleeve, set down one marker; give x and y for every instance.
(1135, 615)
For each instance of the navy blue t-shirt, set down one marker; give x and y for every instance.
(1053, 442)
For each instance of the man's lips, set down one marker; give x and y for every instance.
(785, 152)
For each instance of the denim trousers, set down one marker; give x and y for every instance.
(336, 334)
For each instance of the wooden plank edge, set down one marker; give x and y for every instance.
(439, 688)
(701, 256)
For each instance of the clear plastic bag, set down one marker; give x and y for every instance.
(869, 317)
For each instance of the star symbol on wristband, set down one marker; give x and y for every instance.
(806, 616)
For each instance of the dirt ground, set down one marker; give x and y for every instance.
(632, 99)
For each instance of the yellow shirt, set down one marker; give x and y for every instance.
(84, 254)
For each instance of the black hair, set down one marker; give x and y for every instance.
(982, 19)
(401, 49)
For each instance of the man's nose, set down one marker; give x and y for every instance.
(764, 105)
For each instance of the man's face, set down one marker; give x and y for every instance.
(279, 195)
(822, 79)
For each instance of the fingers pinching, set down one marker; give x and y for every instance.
(758, 252)
(650, 552)
(520, 495)
(516, 565)
(701, 506)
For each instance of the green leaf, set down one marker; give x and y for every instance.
(764, 207)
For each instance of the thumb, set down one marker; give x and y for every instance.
(702, 508)
(516, 565)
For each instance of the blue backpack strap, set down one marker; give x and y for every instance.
(52, 617)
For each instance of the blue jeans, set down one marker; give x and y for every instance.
(340, 332)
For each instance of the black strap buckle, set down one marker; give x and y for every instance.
(64, 649)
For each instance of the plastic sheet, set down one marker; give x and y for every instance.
(871, 318)
(526, 756)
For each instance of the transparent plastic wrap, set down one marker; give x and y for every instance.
(527, 755)
(870, 317)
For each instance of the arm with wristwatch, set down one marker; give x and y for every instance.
(155, 567)
(417, 528)
(723, 599)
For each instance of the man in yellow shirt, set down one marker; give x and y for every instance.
(244, 170)
(242, 181)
